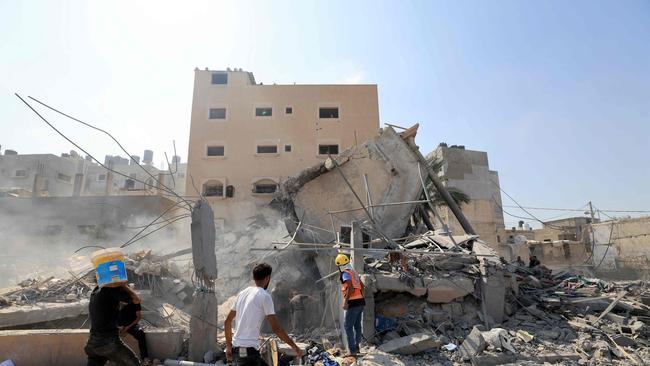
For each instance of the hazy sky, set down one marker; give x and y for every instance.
(557, 92)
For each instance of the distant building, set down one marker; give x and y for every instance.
(571, 228)
(72, 175)
(245, 137)
(469, 172)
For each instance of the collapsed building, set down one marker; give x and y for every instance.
(434, 295)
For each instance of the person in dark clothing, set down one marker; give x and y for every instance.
(104, 343)
(128, 323)
(534, 262)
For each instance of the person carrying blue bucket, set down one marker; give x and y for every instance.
(104, 343)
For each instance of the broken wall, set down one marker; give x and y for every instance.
(622, 248)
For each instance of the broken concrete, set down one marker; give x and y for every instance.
(391, 168)
(65, 347)
(41, 312)
(473, 344)
(391, 282)
(444, 290)
(413, 344)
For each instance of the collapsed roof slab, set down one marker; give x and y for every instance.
(41, 312)
(391, 169)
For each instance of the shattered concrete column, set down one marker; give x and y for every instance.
(368, 325)
(356, 242)
(203, 323)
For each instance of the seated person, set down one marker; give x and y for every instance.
(128, 323)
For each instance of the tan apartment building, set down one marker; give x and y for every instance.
(469, 171)
(246, 137)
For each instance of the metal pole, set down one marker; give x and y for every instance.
(378, 205)
(445, 194)
(389, 242)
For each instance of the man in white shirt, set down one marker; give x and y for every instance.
(253, 304)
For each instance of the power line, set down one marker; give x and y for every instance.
(118, 144)
(153, 231)
(81, 148)
(133, 238)
(575, 210)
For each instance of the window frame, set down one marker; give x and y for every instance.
(267, 181)
(58, 177)
(326, 106)
(263, 106)
(207, 150)
(257, 149)
(222, 181)
(338, 148)
(14, 175)
(220, 73)
(225, 113)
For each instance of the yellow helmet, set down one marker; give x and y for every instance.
(342, 260)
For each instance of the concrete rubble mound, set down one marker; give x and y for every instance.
(432, 297)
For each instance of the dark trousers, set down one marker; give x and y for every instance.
(252, 357)
(352, 327)
(101, 349)
(137, 333)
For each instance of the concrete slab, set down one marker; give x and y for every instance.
(390, 282)
(412, 344)
(41, 312)
(446, 289)
(473, 344)
(65, 347)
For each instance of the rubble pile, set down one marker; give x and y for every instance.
(50, 289)
(52, 302)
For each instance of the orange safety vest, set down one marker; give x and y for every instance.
(357, 292)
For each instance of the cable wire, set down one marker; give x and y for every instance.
(116, 141)
(81, 148)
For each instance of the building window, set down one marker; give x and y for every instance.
(219, 78)
(267, 149)
(216, 151)
(265, 186)
(288, 110)
(149, 184)
(263, 112)
(64, 178)
(328, 149)
(328, 112)
(101, 177)
(287, 148)
(217, 113)
(213, 188)
(20, 173)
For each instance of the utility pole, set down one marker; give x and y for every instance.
(591, 211)
(591, 227)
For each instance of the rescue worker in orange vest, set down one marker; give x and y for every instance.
(353, 302)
